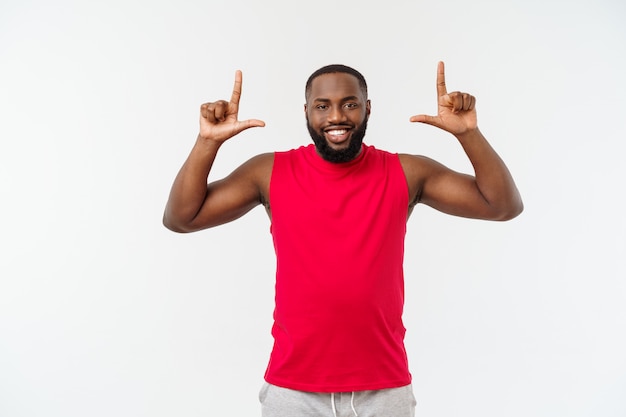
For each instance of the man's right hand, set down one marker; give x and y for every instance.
(218, 120)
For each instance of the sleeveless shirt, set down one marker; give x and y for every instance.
(338, 232)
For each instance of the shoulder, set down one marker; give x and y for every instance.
(255, 172)
(253, 176)
(263, 158)
(258, 166)
(417, 170)
(418, 166)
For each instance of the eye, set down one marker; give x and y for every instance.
(351, 105)
(321, 107)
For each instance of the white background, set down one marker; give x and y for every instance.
(104, 312)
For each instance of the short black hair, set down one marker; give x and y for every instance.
(333, 68)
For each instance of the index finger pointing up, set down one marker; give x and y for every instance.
(234, 98)
(441, 80)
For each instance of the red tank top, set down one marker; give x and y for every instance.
(338, 232)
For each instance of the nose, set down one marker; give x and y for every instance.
(336, 115)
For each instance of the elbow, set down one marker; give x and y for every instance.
(511, 211)
(173, 226)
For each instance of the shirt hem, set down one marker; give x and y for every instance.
(339, 388)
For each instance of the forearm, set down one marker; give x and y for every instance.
(189, 190)
(493, 179)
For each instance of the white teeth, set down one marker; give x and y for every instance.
(337, 132)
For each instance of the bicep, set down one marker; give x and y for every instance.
(235, 195)
(444, 189)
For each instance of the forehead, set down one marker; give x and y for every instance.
(336, 85)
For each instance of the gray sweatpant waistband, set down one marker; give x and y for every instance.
(284, 402)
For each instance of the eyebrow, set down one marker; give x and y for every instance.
(348, 98)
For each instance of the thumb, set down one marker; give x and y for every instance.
(247, 124)
(424, 118)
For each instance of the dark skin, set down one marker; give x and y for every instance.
(335, 107)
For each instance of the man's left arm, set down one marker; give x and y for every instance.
(491, 193)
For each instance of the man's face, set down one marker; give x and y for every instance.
(337, 112)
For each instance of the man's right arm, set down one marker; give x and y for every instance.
(192, 205)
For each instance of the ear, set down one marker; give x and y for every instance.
(368, 107)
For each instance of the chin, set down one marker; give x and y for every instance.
(339, 146)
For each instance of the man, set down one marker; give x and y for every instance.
(338, 212)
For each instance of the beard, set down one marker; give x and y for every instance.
(338, 156)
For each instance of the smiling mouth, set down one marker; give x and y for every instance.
(337, 136)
